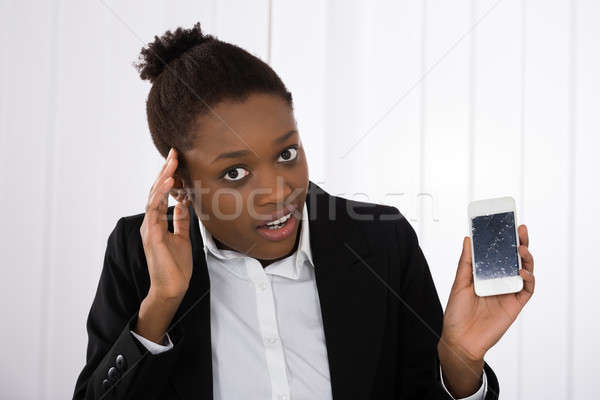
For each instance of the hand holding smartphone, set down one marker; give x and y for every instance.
(494, 243)
(495, 260)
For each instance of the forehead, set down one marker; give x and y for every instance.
(232, 125)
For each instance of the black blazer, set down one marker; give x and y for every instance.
(381, 313)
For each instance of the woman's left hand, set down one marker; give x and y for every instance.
(473, 324)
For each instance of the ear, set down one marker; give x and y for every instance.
(177, 191)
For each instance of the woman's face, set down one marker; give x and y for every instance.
(247, 164)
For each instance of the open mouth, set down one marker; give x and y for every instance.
(281, 227)
(277, 224)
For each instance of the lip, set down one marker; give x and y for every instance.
(291, 208)
(280, 234)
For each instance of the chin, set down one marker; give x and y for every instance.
(273, 251)
(270, 250)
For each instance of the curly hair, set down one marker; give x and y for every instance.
(190, 73)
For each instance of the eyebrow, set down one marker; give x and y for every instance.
(241, 153)
(285, 136)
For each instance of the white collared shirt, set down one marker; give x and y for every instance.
(267, 331)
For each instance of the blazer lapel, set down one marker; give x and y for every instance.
(353, 300)
(193, 378)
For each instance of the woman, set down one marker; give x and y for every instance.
(258, 283)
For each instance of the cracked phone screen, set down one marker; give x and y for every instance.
(495, 246)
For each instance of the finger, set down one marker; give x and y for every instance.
(523, 235)
(157, 197)
(181, 220)
(158, 204)
(169, 156)
(528, 286)
(155, 183)
(464, 272)
(526, 258)
(167, 170)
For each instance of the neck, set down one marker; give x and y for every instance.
(265, 262)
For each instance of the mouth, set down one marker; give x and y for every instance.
(280, 217)
(280, 225)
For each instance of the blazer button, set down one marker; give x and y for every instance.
(113, 374)
(121, 363)
(105, 384)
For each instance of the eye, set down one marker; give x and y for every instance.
(288, 154)
(233, 175)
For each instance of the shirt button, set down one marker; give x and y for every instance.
(271, 340)
(262, 286)
(282, 397)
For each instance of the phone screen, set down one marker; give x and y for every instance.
(495, 246)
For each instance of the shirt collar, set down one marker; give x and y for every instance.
(303, 253)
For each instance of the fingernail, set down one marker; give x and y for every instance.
(170, 152)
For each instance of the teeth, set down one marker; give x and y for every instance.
(280, 220)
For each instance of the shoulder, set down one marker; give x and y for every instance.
(124, 245)
(125, 261)
(127, 229)
(384, 227)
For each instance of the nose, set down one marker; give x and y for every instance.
(274, 191)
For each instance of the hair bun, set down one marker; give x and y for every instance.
(171, 45)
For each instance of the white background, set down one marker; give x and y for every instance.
(461, 100)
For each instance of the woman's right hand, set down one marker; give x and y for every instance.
(168, 255)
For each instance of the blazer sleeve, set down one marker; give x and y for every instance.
(421, 318)
(116, 362)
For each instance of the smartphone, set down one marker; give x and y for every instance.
(494, 244)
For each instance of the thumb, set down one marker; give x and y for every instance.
(464, 272)
(181, 220)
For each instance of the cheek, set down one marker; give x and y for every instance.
(227, 221)
(300, 178)
(227, 205)
(303, 161)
